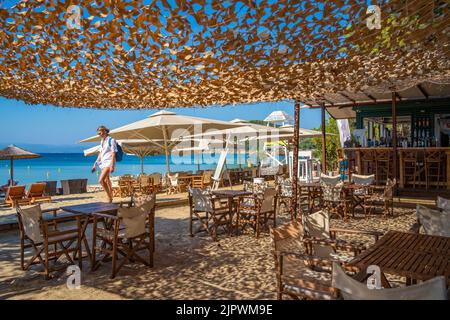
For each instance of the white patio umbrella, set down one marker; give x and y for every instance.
(138, 147)
(167, 127)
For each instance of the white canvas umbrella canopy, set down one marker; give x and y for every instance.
(138, 147)
(167, 127)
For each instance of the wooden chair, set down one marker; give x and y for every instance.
(173, 185)
(386, 199)
(16, 195)
(332, 196)
(210, 212)
(351, 289)
(365, 182)
(433, 168)
(36, 193)
(443, 204)
(432, 222)
(303, 262)
(47, 240)
(146, 184)
(125, 188)
(156, 181)
(411, 167)
(127, 233)
(383, 168)
(258, 212)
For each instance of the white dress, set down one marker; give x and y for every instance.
(107, 147)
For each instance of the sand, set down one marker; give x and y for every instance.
(237, 267)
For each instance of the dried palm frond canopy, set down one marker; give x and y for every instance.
(175, 53)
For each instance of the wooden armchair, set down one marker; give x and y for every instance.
(366, 189)
(209, 212)
(333, 199)
(385, 199)
(48, 241)
(128, 233)
(257, 210)
(173, 185)
(304, 253)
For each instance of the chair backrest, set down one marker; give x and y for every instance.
(134, 218)
(434, 222)
(201, 199)
(317, 225)
(15, 193)
(156, 178)
(331, 181)
(268, 203)
(331, 192)
(173, 179)
(363, 180)
(287, 235)
(30, 222)
(389, 188)
(248, 186)
(443, 204)
(36, 190)
(285, 187)
(207, 177)
(351, 289)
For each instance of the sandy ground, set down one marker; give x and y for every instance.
(237, 267)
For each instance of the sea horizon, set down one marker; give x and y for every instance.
(57, 166)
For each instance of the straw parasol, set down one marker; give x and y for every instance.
(165, 129)
(12, 153)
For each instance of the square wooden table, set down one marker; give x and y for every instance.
(230, 195)
(414, 256)
(86, 210)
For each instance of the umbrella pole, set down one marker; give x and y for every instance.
(11, 182)
(166, 149)
(142, 165)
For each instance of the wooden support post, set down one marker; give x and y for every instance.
(394, 136)
(11, 183)
(294, 203)
(324, 142)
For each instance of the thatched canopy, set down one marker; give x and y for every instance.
(160, 54)
(13, 152)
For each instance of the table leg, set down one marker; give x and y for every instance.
(448, 170)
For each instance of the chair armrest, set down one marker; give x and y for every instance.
(375, 234)
(336, 244)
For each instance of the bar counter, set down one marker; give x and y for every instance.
(419, 168)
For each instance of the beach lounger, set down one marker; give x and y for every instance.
(36, 193)
(15, 195)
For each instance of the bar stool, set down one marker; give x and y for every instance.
(410, 167)
(433, 167)
(382, 165)
(367, 162)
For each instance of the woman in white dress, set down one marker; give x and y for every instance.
(106, 160)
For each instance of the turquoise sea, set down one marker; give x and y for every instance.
(61, 166)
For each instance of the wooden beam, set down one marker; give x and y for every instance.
(294, 204)
(423, 91)
(370, 96)
(394, 136)
(347, 97)
(324, 142)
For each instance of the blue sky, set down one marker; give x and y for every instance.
(49, 125)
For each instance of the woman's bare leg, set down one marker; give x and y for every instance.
(103, 180)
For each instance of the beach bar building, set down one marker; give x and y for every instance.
(417, 153)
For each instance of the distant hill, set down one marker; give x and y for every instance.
(46, 148)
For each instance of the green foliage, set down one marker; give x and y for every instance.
(332, 143)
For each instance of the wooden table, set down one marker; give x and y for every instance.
(86, 210)
(414, 256)
(230, 195)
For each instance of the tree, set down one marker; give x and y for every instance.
(332, 143)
